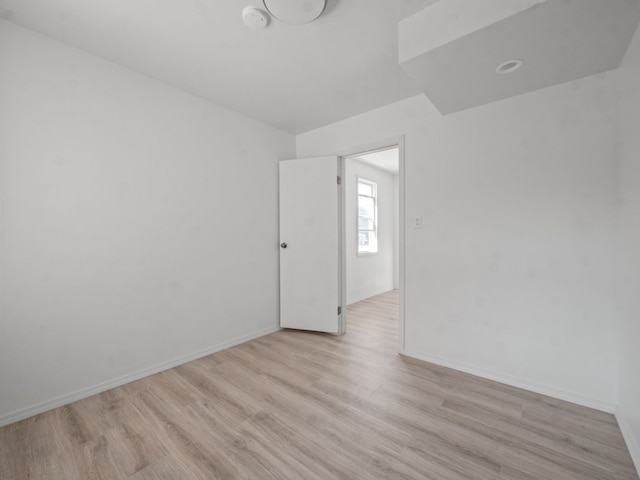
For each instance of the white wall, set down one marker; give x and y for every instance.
(511, 275)
(369, 275)
(131, 236)
(629, 249)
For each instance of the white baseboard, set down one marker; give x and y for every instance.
(515, 382)
(360, 298)
(41, 407)
(633, 443)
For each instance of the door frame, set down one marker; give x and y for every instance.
(342, 156)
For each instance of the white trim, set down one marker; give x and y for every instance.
(547, 390)
(367, 296)
(401, 246)
(116, 382)
(627, 433)
(342, 289)
(343, 246)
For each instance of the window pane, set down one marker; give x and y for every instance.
(367, 242)
(366, 207)
(365, 189)
(367, 228)
(365, 223)
(366, 213)
(363, 238)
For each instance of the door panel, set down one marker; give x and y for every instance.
(309, 238)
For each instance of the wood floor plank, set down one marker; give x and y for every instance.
(304, 405)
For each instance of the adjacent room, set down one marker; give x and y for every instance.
(282, 239)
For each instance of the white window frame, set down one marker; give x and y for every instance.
(374, 197)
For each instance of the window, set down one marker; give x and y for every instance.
(367, 217)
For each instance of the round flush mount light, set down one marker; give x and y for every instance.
(255, 18)
(509, 66)
(295, 12)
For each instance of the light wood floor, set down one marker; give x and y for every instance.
(304, 406)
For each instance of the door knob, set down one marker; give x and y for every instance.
(283, 245)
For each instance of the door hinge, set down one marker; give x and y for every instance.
(339, 310)
(339, 181)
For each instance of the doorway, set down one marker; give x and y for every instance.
(372, 239)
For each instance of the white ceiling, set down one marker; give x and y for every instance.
(452, 48)
(302, 77)
(295, 77)
(387, 160)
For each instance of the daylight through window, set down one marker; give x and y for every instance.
(367, 217)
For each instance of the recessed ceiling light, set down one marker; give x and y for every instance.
(255, 18)
(509, 66)
(295, 11)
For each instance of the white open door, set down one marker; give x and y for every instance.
(309, 244)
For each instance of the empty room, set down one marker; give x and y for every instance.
(319, 239)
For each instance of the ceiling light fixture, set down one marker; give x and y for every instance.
(295, 12)
(509, 66)
(255, 18)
